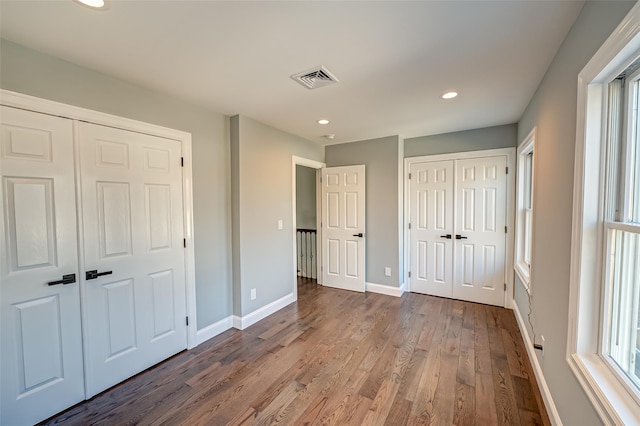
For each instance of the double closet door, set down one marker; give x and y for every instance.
(93, 273)
(457, 219)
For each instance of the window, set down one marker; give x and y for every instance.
(604, 319)
(525, 209)
(621, 322)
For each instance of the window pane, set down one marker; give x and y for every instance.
(615, 170)
(625, 298)
(528, 181)
(527, 237)
(634, 163)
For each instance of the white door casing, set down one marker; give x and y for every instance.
(41, 341)
(343, 227)
(431, 209)
(133, 230)
(480, 253)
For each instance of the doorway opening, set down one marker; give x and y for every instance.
(306, 222)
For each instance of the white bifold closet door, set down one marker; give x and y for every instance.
(133, 239)
(41, 340)
(86, 300)
(457, 212)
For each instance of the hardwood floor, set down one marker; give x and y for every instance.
(338, 357)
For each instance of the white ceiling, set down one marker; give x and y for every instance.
(394, 59)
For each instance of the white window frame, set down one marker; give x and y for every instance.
(604, 387)
(522, 264)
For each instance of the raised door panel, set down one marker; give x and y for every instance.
(38, 330)
(41, 369)
(114, 218)
(29, 207)
(164, 309)
(158, 210)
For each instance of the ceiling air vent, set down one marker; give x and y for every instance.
(315, 78)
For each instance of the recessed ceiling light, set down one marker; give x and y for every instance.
(323, 121)
(96, 4)
(449, 95)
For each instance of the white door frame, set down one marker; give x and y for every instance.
(301, 161)
(510, 153)
(19, 100)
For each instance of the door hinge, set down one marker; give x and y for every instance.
(409, 274)
(320, 179)
(409, 176)
(409, 226)
(181, 161)
(506, 170)
(187, 320)
(184, 242)
(505, 230)
(505, 286)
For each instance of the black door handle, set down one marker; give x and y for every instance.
(460, 237)
(66, 279)
(358, 235)
(448, 236)
(92, 275)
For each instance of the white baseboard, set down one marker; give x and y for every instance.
(554, 416)
(243, 322)
(214, 329)
(384, 289)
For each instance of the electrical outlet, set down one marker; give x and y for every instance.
(253, 294)
(387, 272)
(280, 225)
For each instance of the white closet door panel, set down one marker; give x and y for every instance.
(480, 221)
(41, 342)
(431, 213)
(133, 227)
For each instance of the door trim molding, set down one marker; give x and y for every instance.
(301, 161)
(510, 153)
(45, 106)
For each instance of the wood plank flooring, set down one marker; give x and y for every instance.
(342, 358)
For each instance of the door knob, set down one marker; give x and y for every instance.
(460, 237)
(92, 275)
(66, 279)
(358, 235)
(448, 236)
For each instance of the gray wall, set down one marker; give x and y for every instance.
(306, 197)
(553, 110)
(468, 140)
(30, 72)
(380, 157)
(264, 195)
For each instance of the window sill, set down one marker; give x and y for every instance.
(609, 397)
(523, 273)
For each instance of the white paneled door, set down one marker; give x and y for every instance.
(41, 341)
(431, 207)
(343, 227)
(457, 213)
(134, 292)
(481, 194)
